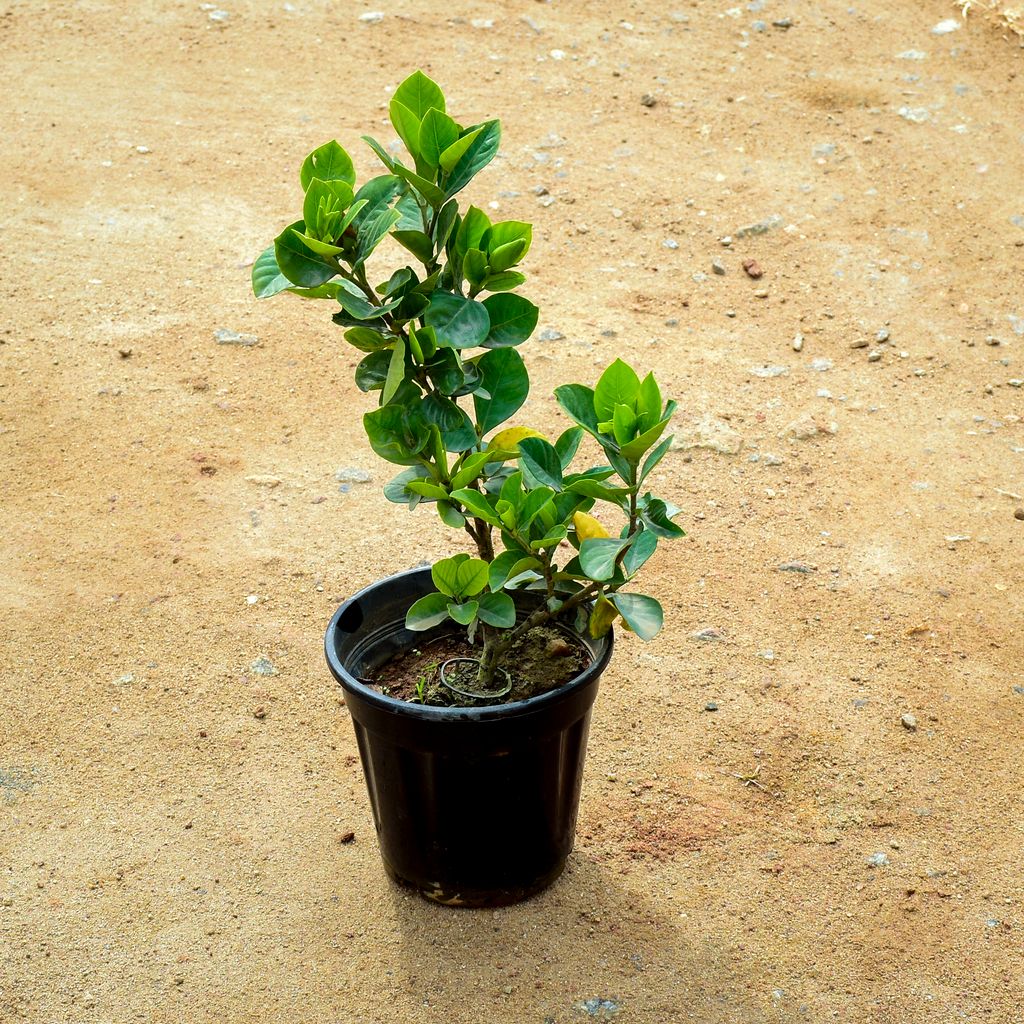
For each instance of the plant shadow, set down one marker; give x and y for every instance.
(591, 947)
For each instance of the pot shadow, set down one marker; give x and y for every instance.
(587, 948)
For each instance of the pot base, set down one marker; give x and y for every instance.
(475, 900)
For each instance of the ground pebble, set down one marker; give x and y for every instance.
(263, 666)
(223, 336)
(769, 371)
(372, 17)
(707, 634)
(550, 334)
(718, 267)
(821, 365)
(670, 243)
(882, 335)
(647, 100)
(1019, 514)
(798, 343)
(859, 343)
(878, 860)
(802, 567)
(753, 269)
(909, 722)
(874, 356)
(945, 27)
(353, 475)
(711, 706)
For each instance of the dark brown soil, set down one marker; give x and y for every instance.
(544, 659)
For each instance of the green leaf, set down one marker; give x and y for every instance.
(323, 207)
(372, 230)
(478, 155)
(354, 302)
(460, 575)
(471, 468)
(297, 261)
(549, 540)
(445, 371)
(407, 124)
(463, 613)
(540, 463)
(648, 401)
(512, 319)
(450, 515)
(657, 516)
(642, 614)
(396, 490)
(328, 163)
(376, 194)
(453, 154)
(636, 448)
(532, 504)
(654, 458)
(320, 248)
(599, 491)
(437, 132)
(499, 569)
(458, 322)
(396, 372)
(578, 401)
(618, 386)
(504, 232)
(372, 372)
(427, 612)
(567, 445)
(445, 223)
(504, 282)
(507, 384)
(456, 427)
(597, 557)
(474, 224)
(476, 504)
(420, 93)
(506, 256)
(497, 610)
(427, 489)
(418, 243)
(639, 551)
(267, 278)
(321, 291)
(623, 424)
(427, 189)
(396, 433)
(475, 269)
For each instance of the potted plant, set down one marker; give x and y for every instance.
(470, 682)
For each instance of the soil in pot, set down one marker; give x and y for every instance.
(543, 659)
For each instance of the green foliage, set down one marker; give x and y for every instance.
(439, 348)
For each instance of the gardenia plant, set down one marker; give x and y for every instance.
(442, 400)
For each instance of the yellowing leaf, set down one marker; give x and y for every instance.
(587, 527)
(507, 440)
(602, 617)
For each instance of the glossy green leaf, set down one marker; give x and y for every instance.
(267, 278)
(504, 232)
(354, 302)
(418, 243)
(643, 546)
(450, 515)
(372, 372)
(471, 468)
(506, 384)
(475, 268)
(623, 424)
(420, 93)
(635, 449)
(372, 230)
(430, 192)
(396, 433)
(458, 322)
(657, 516)
(504, 282)
(427, 489)
(578, 401)
(512, 320)
(540, 463)
(618, 386)
(328, 163)
(497, 610)
(383, 155)
(642, 614)
(437, 132)
(476, 504)
(599, 491)
(478, 155)
(298, 262)
(453, 154)
(456, 428)
(506, 256)
(396, 372)
(427, 612)
(567, 445)
(320, 248)
(532, 503)
(654, 458)
(407, 124)
(324, 206)
(460, 575)
(598, 555)
(376, 194)
(474, 224)
(648, 401)
(396, 489)
(463, 613)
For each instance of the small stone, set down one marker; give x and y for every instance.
(761, 293)
(371, 17)
(1018, 514)
(203, 734)
(252, 599)
(559, 649)
(753, 269)
(783, 23)
(670, 243)
(718, 267)
(218, 18)
(912, 55)
(708, 634)
(859, 343)
(798, 343)
(802, 567)
(353, 475)
(760, 227)
(126, 680)
(347, 837)
(993, 341)
(726, 241)
(711, 706)
(882, 335)
(916, 115)
(1016, 383)
(550, 334)
(223, 336)
(821, 365)
(878, 860)
(125, 353)
(260, 713)
(769, 371)
(909, 722)
(264, 480)
(945, 27)
(768, 655)
(143, 150)
(805, 427)
(710, 433)
(874, 356)
(647, 100)
(263, 666)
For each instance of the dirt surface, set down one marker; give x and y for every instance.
(177, 769)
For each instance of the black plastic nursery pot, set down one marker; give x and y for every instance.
(473, 806)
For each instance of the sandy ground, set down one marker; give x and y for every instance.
(166, 855)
